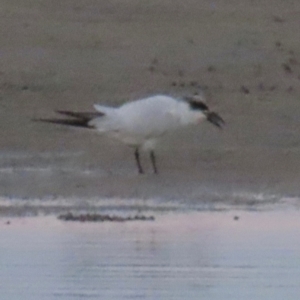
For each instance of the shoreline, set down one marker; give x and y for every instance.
(126, 208)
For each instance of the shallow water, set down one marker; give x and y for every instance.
(220, 232)
(30, 190)
(213, 255)
(205, 180)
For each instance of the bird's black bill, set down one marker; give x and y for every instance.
(215, 119)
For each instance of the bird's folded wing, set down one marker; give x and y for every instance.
(68, 122)
(78, 119)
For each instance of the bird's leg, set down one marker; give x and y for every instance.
(153, 161)
(137, 159)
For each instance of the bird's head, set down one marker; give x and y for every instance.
(197, 103)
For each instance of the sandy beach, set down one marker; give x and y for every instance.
(243, 54)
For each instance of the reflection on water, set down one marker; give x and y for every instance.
(184, 256)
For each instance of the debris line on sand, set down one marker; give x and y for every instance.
(102, 218)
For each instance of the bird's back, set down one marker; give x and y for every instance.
(150, 117)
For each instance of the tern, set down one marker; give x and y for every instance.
(141, 123)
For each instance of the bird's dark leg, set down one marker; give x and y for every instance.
(137, 159)
(153, 161)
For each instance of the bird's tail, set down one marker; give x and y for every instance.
(110, 120)
(77, 119)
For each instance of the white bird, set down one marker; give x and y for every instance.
(141, 123)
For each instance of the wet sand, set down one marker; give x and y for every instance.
(244, 54)
(214, 255)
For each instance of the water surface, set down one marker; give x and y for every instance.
(209, 255)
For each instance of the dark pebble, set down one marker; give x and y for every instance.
(245, 90)
(287, 68)
(211, 69)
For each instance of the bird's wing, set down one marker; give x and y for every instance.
(81, 115)
(69, 122)
(78, 119)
